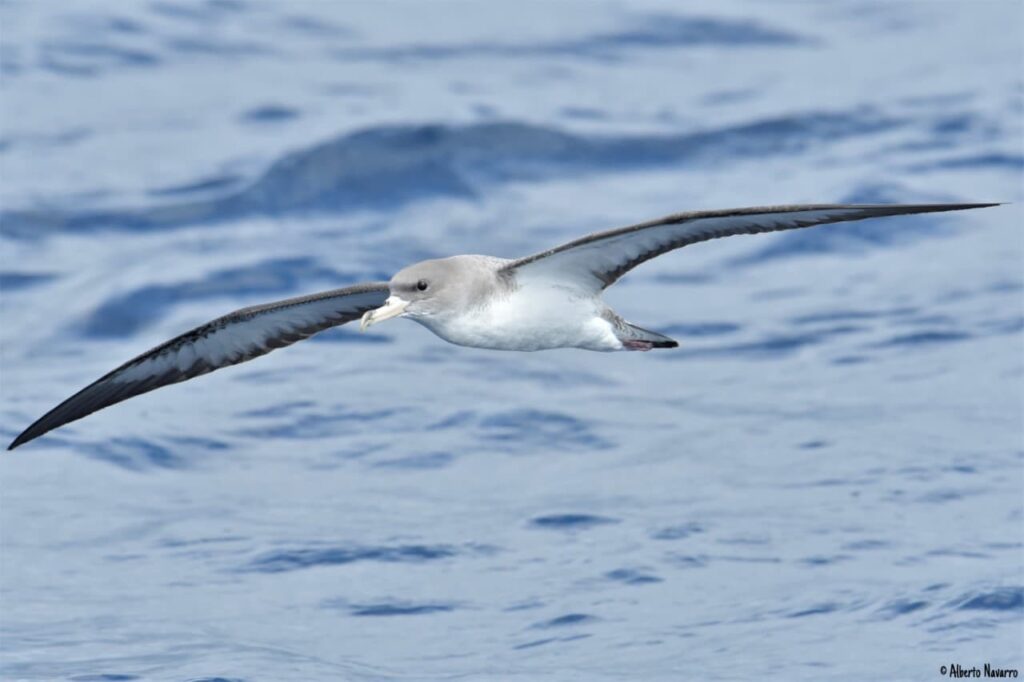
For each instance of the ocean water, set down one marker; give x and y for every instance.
(823, 482)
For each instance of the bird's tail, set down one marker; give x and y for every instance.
(638, 338)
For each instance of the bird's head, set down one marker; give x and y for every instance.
(422, 291)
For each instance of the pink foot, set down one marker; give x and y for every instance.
(637, 345)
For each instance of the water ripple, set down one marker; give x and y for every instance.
(1000, 599)
(387, 167)
(566, 620)
(130, 312)
(656, 32)
(398, 609)
(571, 521)
(298, 559)
(526, 429)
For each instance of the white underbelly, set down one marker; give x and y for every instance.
(537, 318)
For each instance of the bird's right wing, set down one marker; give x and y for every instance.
(596, 261)
(228, 340)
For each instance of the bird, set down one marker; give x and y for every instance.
(548, 300)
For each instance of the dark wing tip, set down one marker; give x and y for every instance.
(885, 209)
(36, 429)
(31, 433)
(70, 410)
(959, 207)
(897, 209)
(23, 438)
(102, 393)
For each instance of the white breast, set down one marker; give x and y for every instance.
(539, 316)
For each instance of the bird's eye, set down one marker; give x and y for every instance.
(422, 285)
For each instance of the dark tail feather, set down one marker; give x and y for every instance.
(632, 334)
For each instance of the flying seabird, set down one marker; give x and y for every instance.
(548, 300)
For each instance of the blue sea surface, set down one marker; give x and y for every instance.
(824, 481)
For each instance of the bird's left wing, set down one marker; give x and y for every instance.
(598, 260)
(228, 340)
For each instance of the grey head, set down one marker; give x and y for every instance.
(432, 291)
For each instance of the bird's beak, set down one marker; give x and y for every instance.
(393, 307)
